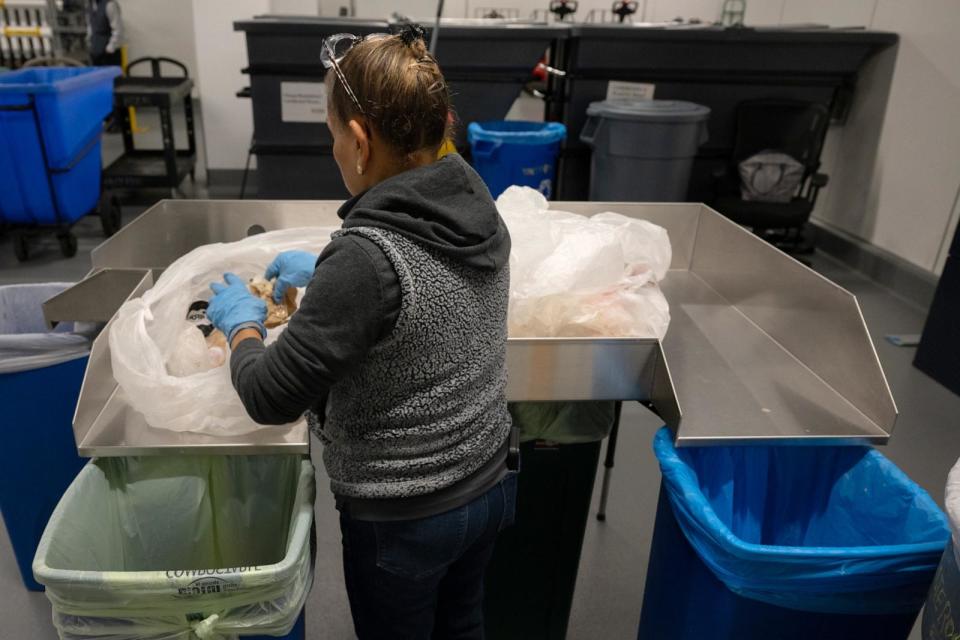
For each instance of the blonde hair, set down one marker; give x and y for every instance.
(402, 91)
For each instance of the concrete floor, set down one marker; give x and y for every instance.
(613, 565)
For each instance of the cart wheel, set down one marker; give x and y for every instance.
(110, 215)
(21, 247)
(68, 244)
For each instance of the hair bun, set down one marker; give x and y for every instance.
(411, 33)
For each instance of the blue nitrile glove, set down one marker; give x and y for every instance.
(291, 269)
(233, 308)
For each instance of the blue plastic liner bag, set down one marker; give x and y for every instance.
(816, 529)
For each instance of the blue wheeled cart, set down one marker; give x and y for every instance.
(51, 120)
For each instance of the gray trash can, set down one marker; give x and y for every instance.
(941, 614)
(643, 150)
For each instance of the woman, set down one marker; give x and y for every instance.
(397, 352)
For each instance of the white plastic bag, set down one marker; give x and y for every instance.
(148, 330)
(578, 276)
(952, 503)
(25, 342)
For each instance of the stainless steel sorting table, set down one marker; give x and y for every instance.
(759, 348)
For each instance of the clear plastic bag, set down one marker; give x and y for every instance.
(952, 501)
(25, 342)
(578, 276)
(147, 332)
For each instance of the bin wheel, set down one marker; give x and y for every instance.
(21, 247)
(110, 215)
(68, 244)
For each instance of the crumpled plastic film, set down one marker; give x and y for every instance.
(577, 276)
(147, 331)
(179, 548)
(952, 504)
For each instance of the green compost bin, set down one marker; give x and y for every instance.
(533, 573)
(180, 547)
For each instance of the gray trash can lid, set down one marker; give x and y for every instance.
(649, 110)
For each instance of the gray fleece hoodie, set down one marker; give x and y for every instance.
(351, 306)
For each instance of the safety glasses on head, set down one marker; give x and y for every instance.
(334, 49)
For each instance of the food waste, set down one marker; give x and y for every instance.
(202, 347)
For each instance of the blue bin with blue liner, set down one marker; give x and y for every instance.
(512, 152)
(40, 377)
(787, 542)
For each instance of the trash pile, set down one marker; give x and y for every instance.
(166, 356)
(571, 275)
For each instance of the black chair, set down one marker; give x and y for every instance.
(793, 127)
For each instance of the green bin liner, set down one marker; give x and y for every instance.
(564, 422)
(180, 548)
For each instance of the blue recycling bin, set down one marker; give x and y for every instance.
(40, 377)
(510, 152)
(51, 121)
(787, 542)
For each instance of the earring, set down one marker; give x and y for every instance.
(359, 169)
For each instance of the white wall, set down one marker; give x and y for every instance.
(897, 190)
(842, 13)
(654, 11)
(948, 237)
(296, 7)
(919, 172)
(164, 28)
(664, 10)
(221, 54)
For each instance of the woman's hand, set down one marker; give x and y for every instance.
(291, 269)
(233, 308)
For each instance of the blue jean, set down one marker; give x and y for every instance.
(423, 579)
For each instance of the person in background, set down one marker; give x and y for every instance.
(104, 33)
(397, 353)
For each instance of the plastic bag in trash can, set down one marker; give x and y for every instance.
(180, 548)
(941, 615)
(823, 529)
(25, 341)
(147, 332)
(577, 276)
(952, 503)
